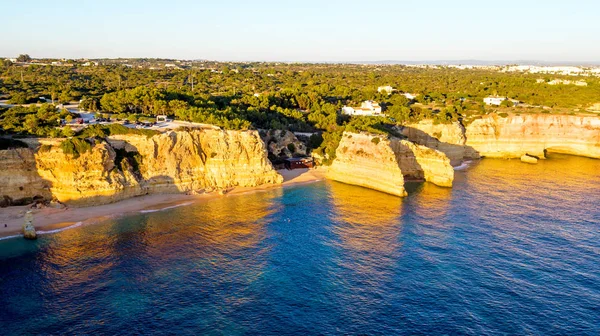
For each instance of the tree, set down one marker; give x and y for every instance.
(18, 98)
(67, 131)
(24, 58)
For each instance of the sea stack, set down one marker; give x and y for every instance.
(28, 228)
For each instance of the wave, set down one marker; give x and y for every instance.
(165, 208)
(11, 237)
(463, 165)
(61, 229)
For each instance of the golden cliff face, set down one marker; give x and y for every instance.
(447, 138)
(423, 163)
(517, 135)
(201, 159)
(382, 164)
(361, 160)
(128, 166)
(19, 178)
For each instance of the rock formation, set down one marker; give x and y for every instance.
(422, 163)
(361, 160)
(131, 165)
(517, 135)
(284, 144)
(19, 180)
(383, 163)
(529, 159)
(28, 228)
(447, 138)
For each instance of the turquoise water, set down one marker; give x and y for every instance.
(511, 249)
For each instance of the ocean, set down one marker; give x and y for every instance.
(511, 249)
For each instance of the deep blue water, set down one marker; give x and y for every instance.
(511, 249)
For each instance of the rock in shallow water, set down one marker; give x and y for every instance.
(28, 228)
(529, 159)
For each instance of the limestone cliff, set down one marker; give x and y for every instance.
(423, 163)
(127, 166)
(447, 138)
(361, 160)
(533, 134)
(19, 180)
(383, 163)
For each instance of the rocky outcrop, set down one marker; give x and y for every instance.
(529, 159)
(422, 163)
(516, 135)
(28, 228)
(131, 165)
(283, 144)
(19, 180)
(367, 161)
(447, 138)
(383, 163)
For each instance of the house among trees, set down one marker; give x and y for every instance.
(386, 89)
(367, 108)
(494, 100)
(409, 96)
(498, 101)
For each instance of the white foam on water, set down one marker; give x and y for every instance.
(165, 208)
(61, 229)
(463, 165)
(11, 237)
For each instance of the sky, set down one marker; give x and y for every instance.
(304, 30)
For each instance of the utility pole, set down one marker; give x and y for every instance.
(21, 76)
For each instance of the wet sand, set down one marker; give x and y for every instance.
(47, 220)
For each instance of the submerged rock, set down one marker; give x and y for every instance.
(529, 159)
(28, 228)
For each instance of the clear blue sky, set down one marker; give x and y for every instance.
(304, 30)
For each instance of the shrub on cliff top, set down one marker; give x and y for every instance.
(102, 131)
(75, 147)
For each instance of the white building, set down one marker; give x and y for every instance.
(409, 96)
(387, 89)
(494, 100)
(367, 108)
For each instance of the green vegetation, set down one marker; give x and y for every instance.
(102, 131)
(40, 120)
(295, 97)
(128, 161)
(76, 146)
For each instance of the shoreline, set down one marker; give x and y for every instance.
(51, 220)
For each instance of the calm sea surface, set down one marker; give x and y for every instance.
(511, 249)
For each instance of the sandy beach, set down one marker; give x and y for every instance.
(50, 219)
